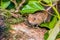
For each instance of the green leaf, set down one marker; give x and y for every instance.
(53, 22)
(54, 32)
(58, 36)
(11, 6)
(4, 4)
(45, 25)
(46, 35)
(31, 7)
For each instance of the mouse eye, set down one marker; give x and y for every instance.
(34, 18)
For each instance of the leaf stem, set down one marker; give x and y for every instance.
(57, 13)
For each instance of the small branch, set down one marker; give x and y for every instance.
(20, 5)
(16, 15)
(50, 7)
(14, 1)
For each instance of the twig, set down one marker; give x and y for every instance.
(14, 1)
(51, 6)
(20, 5)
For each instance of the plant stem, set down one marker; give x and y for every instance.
(53, 33)
(57, 13)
